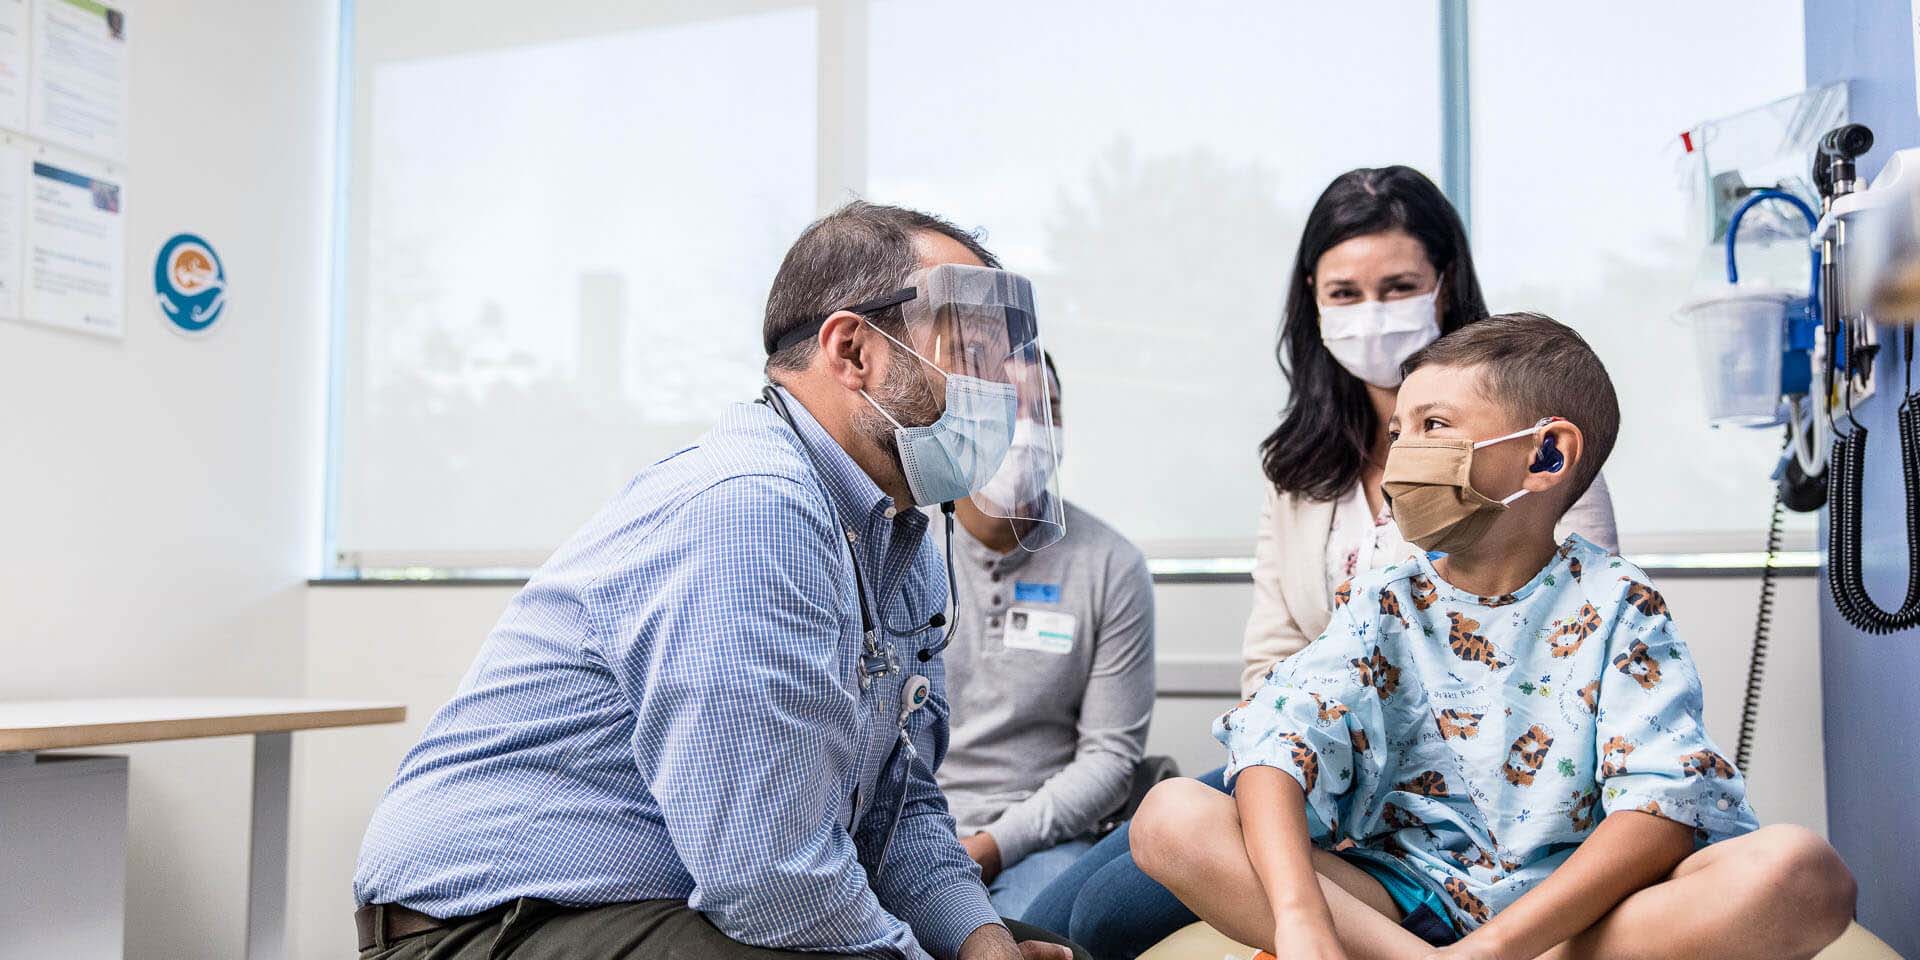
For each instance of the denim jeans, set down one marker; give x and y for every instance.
(1013, 890)
(1107, 905)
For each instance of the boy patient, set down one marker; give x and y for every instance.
(1497, 752)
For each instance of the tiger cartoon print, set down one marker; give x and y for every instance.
(1378, 673)
(1468, 645)
(1457, 724)
(1485, 860)
(1635, 663)
(1325, 713)
(1469, 904)
(1527, 755)
(1343, 593)
(1390, 607)
(1396, 817)
(1304, 758)
(1613, 757)
(1573, 562)
(1424, 592)
(1590, 695)
(1358, 738)
(1565, 641)
(1646, 599)
(1427, 784)
(1706, 763)
(1581, 815)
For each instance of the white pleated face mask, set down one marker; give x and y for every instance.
(960, 452)
(1374, 338)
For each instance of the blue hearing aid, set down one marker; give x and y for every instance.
(1549, 459)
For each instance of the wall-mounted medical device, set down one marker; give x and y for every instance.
(1866, 238)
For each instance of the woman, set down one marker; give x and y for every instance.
(1383, 269)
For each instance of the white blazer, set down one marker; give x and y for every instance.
(1291, 605)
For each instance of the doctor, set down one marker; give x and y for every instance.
(708, 727)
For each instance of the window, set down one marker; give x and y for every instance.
(563, 219)
(1580, 212)
(1150, 166)
(560, 253)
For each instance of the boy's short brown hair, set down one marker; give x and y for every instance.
(1537, 367)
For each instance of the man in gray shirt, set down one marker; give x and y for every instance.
(1050, 679)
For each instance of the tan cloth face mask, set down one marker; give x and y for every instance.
(1434, 504)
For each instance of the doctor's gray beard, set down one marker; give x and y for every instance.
(905, 394)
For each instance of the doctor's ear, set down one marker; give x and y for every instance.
(851, 350)
(1555, 455)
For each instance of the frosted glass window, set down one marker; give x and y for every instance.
(1151, 166)
(560, 257)
(1580, 212)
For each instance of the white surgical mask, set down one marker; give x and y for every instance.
(959, 453)
(1372, 339)
(1028, 460)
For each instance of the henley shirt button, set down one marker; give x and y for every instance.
(996, 599)
(996, 578)
(890, 512)
(995, 622)
(1725, 804)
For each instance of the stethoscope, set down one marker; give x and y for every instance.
(879, 658)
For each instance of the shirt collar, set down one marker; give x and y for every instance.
(857, 498)
(977, 552)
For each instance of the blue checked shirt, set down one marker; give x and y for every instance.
(671, 708)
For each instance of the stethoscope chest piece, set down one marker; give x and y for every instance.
(913, 695)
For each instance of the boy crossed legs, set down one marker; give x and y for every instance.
(1509, 725)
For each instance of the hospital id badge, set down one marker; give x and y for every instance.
(1045, 631)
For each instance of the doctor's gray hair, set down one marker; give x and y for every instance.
(862, 251)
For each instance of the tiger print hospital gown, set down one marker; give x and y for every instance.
(1478, 740)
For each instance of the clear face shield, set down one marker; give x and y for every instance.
(979, 323)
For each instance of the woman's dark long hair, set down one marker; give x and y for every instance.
(1328, 428)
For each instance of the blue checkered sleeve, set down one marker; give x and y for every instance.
(744, 729)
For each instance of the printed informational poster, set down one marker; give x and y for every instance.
(13, 65)
(80, 76)
(76, 276)
(13, 227)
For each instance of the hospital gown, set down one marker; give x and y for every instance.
(1478, 740)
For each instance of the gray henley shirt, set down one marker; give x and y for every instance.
(1051, 682)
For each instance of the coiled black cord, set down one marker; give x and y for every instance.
(1762, 631)
(1846, 570)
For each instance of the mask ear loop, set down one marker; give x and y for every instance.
(916, 355)
(1547, 446)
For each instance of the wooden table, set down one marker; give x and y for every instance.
(27, 726)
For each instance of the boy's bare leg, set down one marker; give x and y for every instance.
(1780, 892)
(1187, 836)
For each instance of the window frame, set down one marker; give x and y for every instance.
(840, 145)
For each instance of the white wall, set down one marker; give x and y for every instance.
(413, 643)
(158, 491)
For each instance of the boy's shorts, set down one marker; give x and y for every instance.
(1422, 912)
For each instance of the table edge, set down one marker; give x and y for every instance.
(192, 728)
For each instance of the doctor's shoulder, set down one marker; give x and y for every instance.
(735, 478)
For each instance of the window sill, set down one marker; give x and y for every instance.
(1166, 570)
